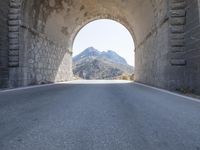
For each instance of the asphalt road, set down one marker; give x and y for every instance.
(97, 116)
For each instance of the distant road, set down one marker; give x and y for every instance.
(100, 115)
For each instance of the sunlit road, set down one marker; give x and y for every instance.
(98, 116)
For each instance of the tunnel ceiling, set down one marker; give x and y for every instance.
(60, 20)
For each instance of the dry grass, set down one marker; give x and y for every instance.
(125, 77)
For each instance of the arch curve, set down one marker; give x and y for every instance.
(118, 19)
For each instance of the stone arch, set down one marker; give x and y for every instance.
(55, 22)
(120, 20)
(166, 38)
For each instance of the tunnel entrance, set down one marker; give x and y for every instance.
(43, 34)
(38, 38)
(103, 49)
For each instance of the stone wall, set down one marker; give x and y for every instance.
(44, 61)
(37, 58)
(177, 20)
(152, 62)
(4, 8)
(14, 21)
(192, 55)
(151, 59)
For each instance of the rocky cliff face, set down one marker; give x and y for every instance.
(92, 52)
(93, 64)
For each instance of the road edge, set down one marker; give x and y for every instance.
(168, 92)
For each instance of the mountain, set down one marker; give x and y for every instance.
(92, 52)
(93, 64)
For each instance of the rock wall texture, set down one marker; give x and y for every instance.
(40, 34)
(192, 51)
(177, 21)
(4, 43)
(152, 63)
(35, 58)
(44, 62)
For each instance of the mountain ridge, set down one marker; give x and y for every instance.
(110, 54)
(93, 64)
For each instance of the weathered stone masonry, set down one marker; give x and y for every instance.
(192, 45)
(4, 43)
(37, 37)
(13, 32)
(39, 59)
(177, 16)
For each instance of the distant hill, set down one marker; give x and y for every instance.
(93, 64)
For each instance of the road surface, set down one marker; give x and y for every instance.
(98, 116)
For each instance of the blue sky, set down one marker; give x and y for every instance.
(106, 35)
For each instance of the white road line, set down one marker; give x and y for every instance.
(27, 87)
(168, 92)
(70, 82)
